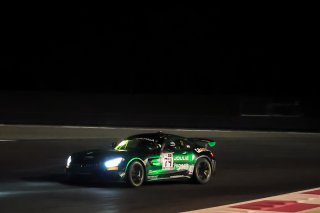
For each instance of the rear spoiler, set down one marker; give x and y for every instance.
(204, 142)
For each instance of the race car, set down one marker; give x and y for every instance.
(147, 157)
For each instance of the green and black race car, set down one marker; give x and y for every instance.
(147, 157)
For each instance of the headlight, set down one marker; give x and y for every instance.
(113, 163)
(68, 162)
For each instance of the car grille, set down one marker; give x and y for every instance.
(86, 165)
(85, 160)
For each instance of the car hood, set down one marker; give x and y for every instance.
(96, 155)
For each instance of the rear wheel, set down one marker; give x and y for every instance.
(202, 171)
(135, 174)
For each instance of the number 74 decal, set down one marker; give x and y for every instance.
(167, 161)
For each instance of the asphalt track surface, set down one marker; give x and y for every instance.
(250, 166)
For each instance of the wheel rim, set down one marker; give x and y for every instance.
(204, 171)
(137, 174)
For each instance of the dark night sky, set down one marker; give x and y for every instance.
(252, 49)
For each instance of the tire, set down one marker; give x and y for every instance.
(135, 174)
(202, 171)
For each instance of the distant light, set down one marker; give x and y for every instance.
(68, 162)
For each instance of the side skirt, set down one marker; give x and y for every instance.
(168, 178)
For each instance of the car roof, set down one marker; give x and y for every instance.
(145, 135)
(151, 135)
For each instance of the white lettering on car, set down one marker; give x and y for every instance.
(200, 150)
(181, 158)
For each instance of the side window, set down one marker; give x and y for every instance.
(181, 143)
(159, 142)
(151, 145)
(132, 144)
(169, 144)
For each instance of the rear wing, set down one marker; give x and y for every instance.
(203, 142)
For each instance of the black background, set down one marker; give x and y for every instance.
(263, 50)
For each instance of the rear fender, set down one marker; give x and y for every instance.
(212, 161)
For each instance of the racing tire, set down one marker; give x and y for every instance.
(202, 171)
(135, 174)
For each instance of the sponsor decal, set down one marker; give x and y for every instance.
(147, 139)
(200, 150)
(187, 167)
(186, 158)
(182, 166)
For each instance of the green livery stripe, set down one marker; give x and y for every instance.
(131, 161)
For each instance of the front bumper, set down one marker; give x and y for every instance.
(95, 172)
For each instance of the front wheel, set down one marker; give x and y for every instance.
(135, 174)
(202, 171)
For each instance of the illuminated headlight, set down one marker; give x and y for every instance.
(113, 164)
(68, 162)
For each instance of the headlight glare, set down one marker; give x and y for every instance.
(113, 163)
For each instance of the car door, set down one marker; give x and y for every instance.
(160, 162)
(176, 157)
(183, 157)
(161, 165)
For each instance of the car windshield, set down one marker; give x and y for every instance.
(127, 145)
(137, 143)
